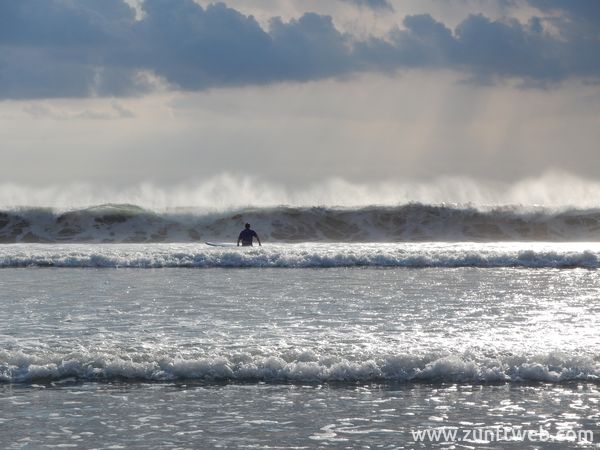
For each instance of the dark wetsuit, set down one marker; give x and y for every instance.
(246, 236)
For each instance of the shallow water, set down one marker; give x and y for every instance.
(174, 415)
(343, 324)
(309, 357)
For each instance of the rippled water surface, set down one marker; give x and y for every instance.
(307, 357)
(175, 415)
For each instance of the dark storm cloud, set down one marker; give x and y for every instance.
(196, 48)
(59, 48)
(51, 48)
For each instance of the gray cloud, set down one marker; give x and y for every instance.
(116, 111)
(55, 48)
(579, 25)
(375, 5)
(581, 10)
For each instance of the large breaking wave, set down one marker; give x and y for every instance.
(124, 223)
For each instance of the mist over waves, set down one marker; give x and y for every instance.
(553, 207)
(227, 191)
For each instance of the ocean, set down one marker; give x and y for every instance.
(402, 327)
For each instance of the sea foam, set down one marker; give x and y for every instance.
(308, 255)
(18, 367)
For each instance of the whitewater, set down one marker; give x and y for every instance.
(308, 255)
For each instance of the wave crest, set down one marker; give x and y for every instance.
(18, 367)
(414, 222)
(314, 255)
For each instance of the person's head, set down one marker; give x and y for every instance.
(247, 226)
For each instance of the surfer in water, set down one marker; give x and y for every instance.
(246, 237)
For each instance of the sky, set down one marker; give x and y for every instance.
(321, 100)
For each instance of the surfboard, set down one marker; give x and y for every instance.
(220, 244)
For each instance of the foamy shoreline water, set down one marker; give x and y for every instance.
(172, 358)
(304, 367)
(308, 255)
(468, 325)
